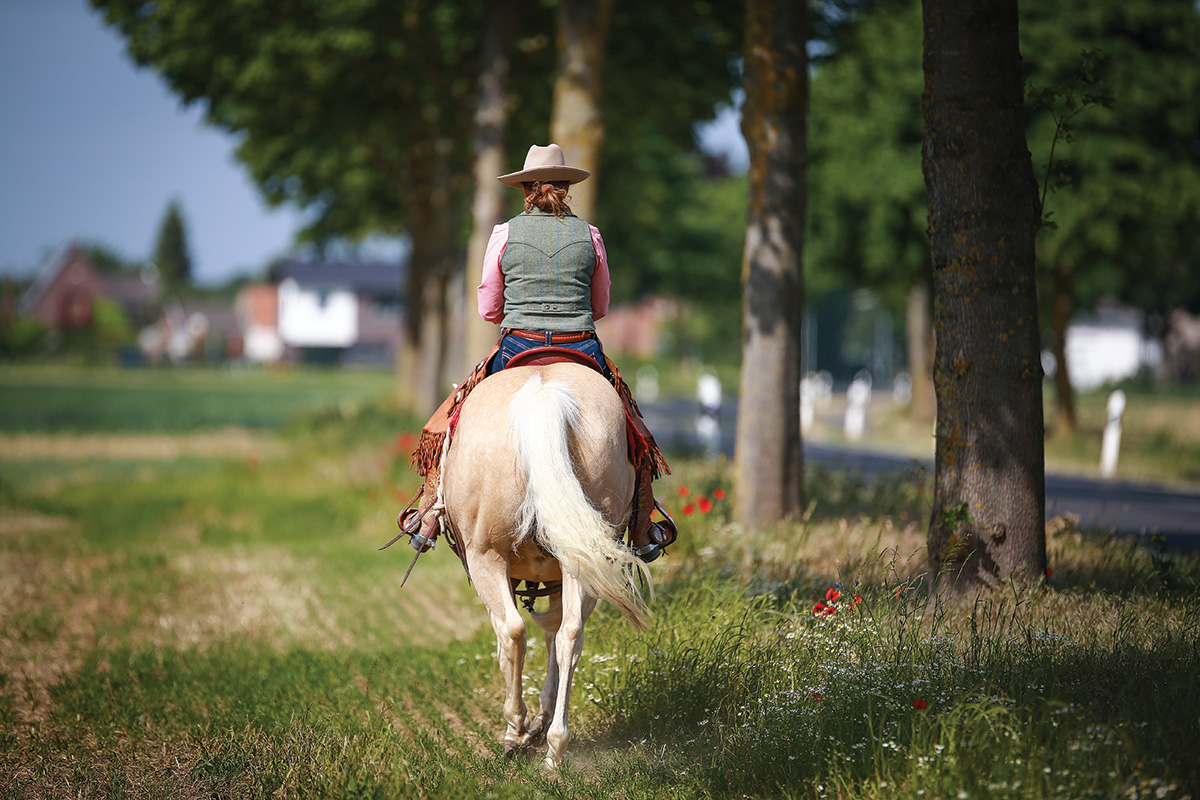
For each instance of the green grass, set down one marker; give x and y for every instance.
(223, 625)
(107, 399)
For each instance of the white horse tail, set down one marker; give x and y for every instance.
(555, 509)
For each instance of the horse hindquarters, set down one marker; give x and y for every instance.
(546, 419)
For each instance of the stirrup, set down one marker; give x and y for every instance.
(664, 532)
(409, 522)
(649, 552)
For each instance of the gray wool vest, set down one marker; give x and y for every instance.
(548, 265)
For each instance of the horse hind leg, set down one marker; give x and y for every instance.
(577, 606)
(549, 621)
(490, 573)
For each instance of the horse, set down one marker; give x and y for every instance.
(539, 485)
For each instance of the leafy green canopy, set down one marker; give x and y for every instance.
(1129, 220)
(333, 101)
(171, 254)
(339, 104)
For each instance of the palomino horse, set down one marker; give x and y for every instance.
(539, 485)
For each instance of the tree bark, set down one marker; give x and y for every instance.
(918, 325)
(487, 209)
(422, 372)
(576, 123)
(1061, 309)
(988, 518)
(769, 468)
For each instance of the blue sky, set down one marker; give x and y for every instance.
(92, 149)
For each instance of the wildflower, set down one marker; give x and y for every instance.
(704, 504)
(817, 696)
(684, 491)
(819, 608)
(832, 595)
(919, 705)
(1048, 572)
(718, 493)
(857, 599)
(688, 510)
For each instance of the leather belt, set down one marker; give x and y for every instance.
(549, 337)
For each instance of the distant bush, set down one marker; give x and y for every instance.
(25, 338)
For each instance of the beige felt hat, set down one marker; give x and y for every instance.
(545, 164)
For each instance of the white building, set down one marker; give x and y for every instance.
(351, 308)
(1108, 347)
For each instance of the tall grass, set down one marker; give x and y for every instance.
(224, 626)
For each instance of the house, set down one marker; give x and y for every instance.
(1108, 346)
(192, 330)
(344, 312)
(257, 311)
(635, 329)
(64, 294)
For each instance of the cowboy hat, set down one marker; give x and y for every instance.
(544, 164)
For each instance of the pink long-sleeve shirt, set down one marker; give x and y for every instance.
(491, 291)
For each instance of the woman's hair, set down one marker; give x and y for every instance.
(548, 196)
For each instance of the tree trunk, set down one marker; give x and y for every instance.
(1061, 309)
(769, 469)
(422, 372)
(988, 518)
(576, 123)
(487, 209)
(918, 327)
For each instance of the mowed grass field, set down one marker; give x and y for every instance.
(198, 608)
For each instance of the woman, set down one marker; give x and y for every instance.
(545, 282)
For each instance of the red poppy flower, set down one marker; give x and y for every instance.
(704, 504)
(919, 705)
(405, 442)
(829, 611)
(688, 510)
(718, 494)
(684, 491)
(819, 607)
(816, 695)
(832, 595)
(1048, 572)
(857, 599)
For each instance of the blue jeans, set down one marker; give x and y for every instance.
(510, 345)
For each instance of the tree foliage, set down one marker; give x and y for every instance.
(1128, 217)
(171, 255)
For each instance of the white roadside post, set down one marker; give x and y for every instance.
(808, 391)
(857, 397)
(708, 422)
(1110, 445)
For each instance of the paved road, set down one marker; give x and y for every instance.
(1131, 509)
